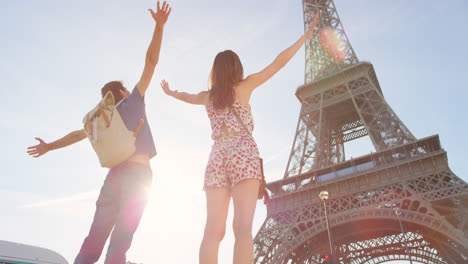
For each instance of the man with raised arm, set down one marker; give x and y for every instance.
(123, 198)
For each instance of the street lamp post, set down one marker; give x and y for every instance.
(403, 233)
(324, 197)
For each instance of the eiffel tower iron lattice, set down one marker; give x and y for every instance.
(341, 102)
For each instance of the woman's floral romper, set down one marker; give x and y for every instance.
(234, 155)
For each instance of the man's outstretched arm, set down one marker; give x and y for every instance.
(42, 148)
(152, 55)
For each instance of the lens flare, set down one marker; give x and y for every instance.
(334, 44)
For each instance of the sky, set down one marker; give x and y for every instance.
(56, 55)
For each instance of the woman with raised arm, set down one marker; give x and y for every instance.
(234, 164)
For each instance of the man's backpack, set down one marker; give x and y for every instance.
(108, 134)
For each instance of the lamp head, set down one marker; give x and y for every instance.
(323, 195)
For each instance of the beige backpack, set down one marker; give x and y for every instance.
(108, 134)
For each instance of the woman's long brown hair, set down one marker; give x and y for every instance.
(226, 72)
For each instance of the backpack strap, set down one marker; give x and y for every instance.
(104, 115)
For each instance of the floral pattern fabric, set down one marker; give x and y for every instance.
(234, 155)
(224, 122)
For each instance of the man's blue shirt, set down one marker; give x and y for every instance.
(132, 109)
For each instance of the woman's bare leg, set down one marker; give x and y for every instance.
(217, 204)
(244, 196)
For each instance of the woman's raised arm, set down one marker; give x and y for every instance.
(257, 79)
(198, 99)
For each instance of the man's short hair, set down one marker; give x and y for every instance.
(115, 87)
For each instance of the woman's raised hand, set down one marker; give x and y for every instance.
(162, 13)
(166, 89)
(310, 32)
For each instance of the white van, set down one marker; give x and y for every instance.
(14, 253)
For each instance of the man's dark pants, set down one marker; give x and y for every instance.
(119, 209)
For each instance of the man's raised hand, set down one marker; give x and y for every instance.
(162, 13)
(39, 149)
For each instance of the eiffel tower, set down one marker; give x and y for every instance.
(400, 202)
